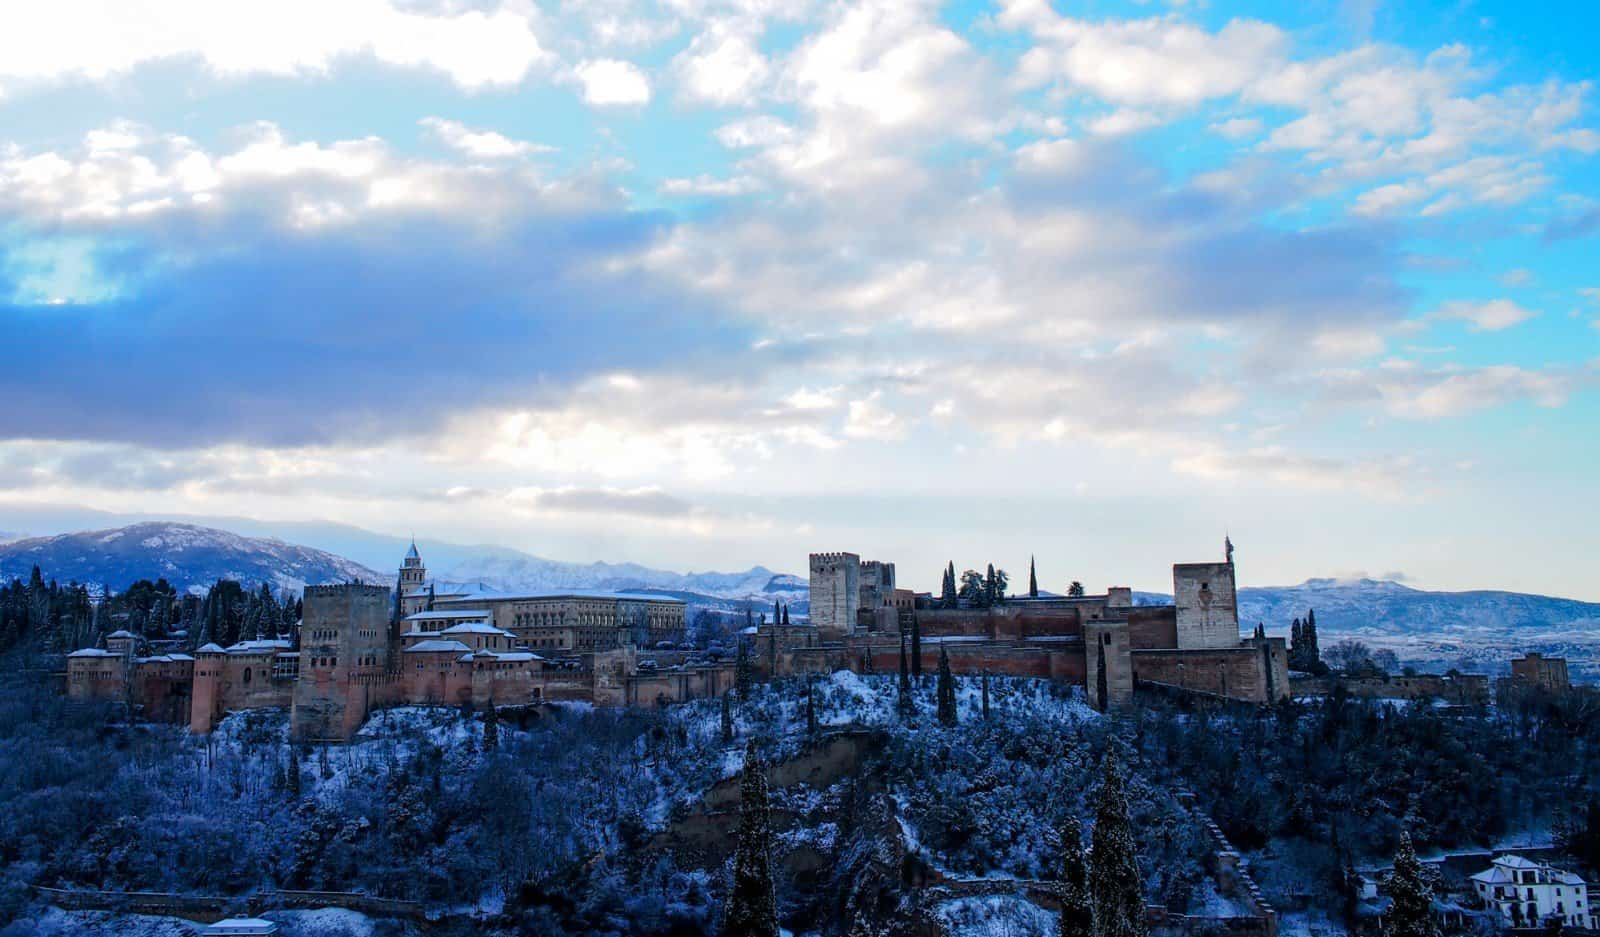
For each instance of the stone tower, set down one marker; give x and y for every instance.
(413, 576)
(205, 703)
(1208, 604)
(343, 657)
(835, 593)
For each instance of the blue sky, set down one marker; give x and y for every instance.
(704, 284)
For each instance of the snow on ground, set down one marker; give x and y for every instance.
(58, 923)
(995, 916)
(323, 922)
(1309, 924)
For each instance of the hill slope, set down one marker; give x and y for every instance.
(188, 556)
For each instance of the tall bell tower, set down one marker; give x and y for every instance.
(413, 576)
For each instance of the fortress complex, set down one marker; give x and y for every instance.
(362, 647)
(1103, 642)
(358, 651)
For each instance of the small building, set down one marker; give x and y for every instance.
(239, 927)
(1546, 673)
(1527, 894)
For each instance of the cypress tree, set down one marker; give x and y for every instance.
(1033, 580)
(904, 702)
(786, 614)
(916, 649)
(1116, 892)
(1411, 914)
(727, 718)
(741, 672)
(991, 590)
(491, 728)
(946, 690)
(950, 599)
(1077, 914)
(986, 696)
(752, 908)
(292, 779)
(811, 708)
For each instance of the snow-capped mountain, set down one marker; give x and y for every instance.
(1384, 607)
(188, 556)
(508, 570)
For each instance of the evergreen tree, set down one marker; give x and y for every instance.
(988, 586)
(292, 777)
(946, 690)
(727, 718)
(1309, 633)
(905, 705)
(399, 606)
(431, 596)
(948, 596)
(916, 649)
(1077, 913)
(752, 907)
(986, 696)
(1075, 590)
(742, 677)
(1033, 580)
(786, 614)
(811, 709)
(1411, 911)
(1115, 890)
(491, 728)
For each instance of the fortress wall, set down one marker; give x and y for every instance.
(1236, 672)
(1153, 626)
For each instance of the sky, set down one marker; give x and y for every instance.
(705, 284)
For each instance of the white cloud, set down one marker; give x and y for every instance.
(481, 144)
(613, 83)
(721, 66)
(1125, 120)
(1521, 276)
(101, 38)
(709, 185)
(1157, 61)
(1489, 316)
(125, 171)
(868, 418)
(1238, 128)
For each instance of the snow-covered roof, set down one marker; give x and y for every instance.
(240, 926)
(412, 554)
(422, 647)
(166, 659)
(211, 647)
(256, 647)
(475, 627)
(447, 591)
(122, 634)
(1495, 875)
(93, 652)
(1516, 862)
(509, 656)
(450, 613)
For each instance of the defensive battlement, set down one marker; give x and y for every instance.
(818, 559)
(346, 588)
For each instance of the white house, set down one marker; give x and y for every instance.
(242, 927)
(1527, 893)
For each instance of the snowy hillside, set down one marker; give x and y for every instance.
(186, 555)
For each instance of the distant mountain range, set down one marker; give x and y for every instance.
(193, 556)
(187, 556)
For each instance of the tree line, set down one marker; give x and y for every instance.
(48, 617)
